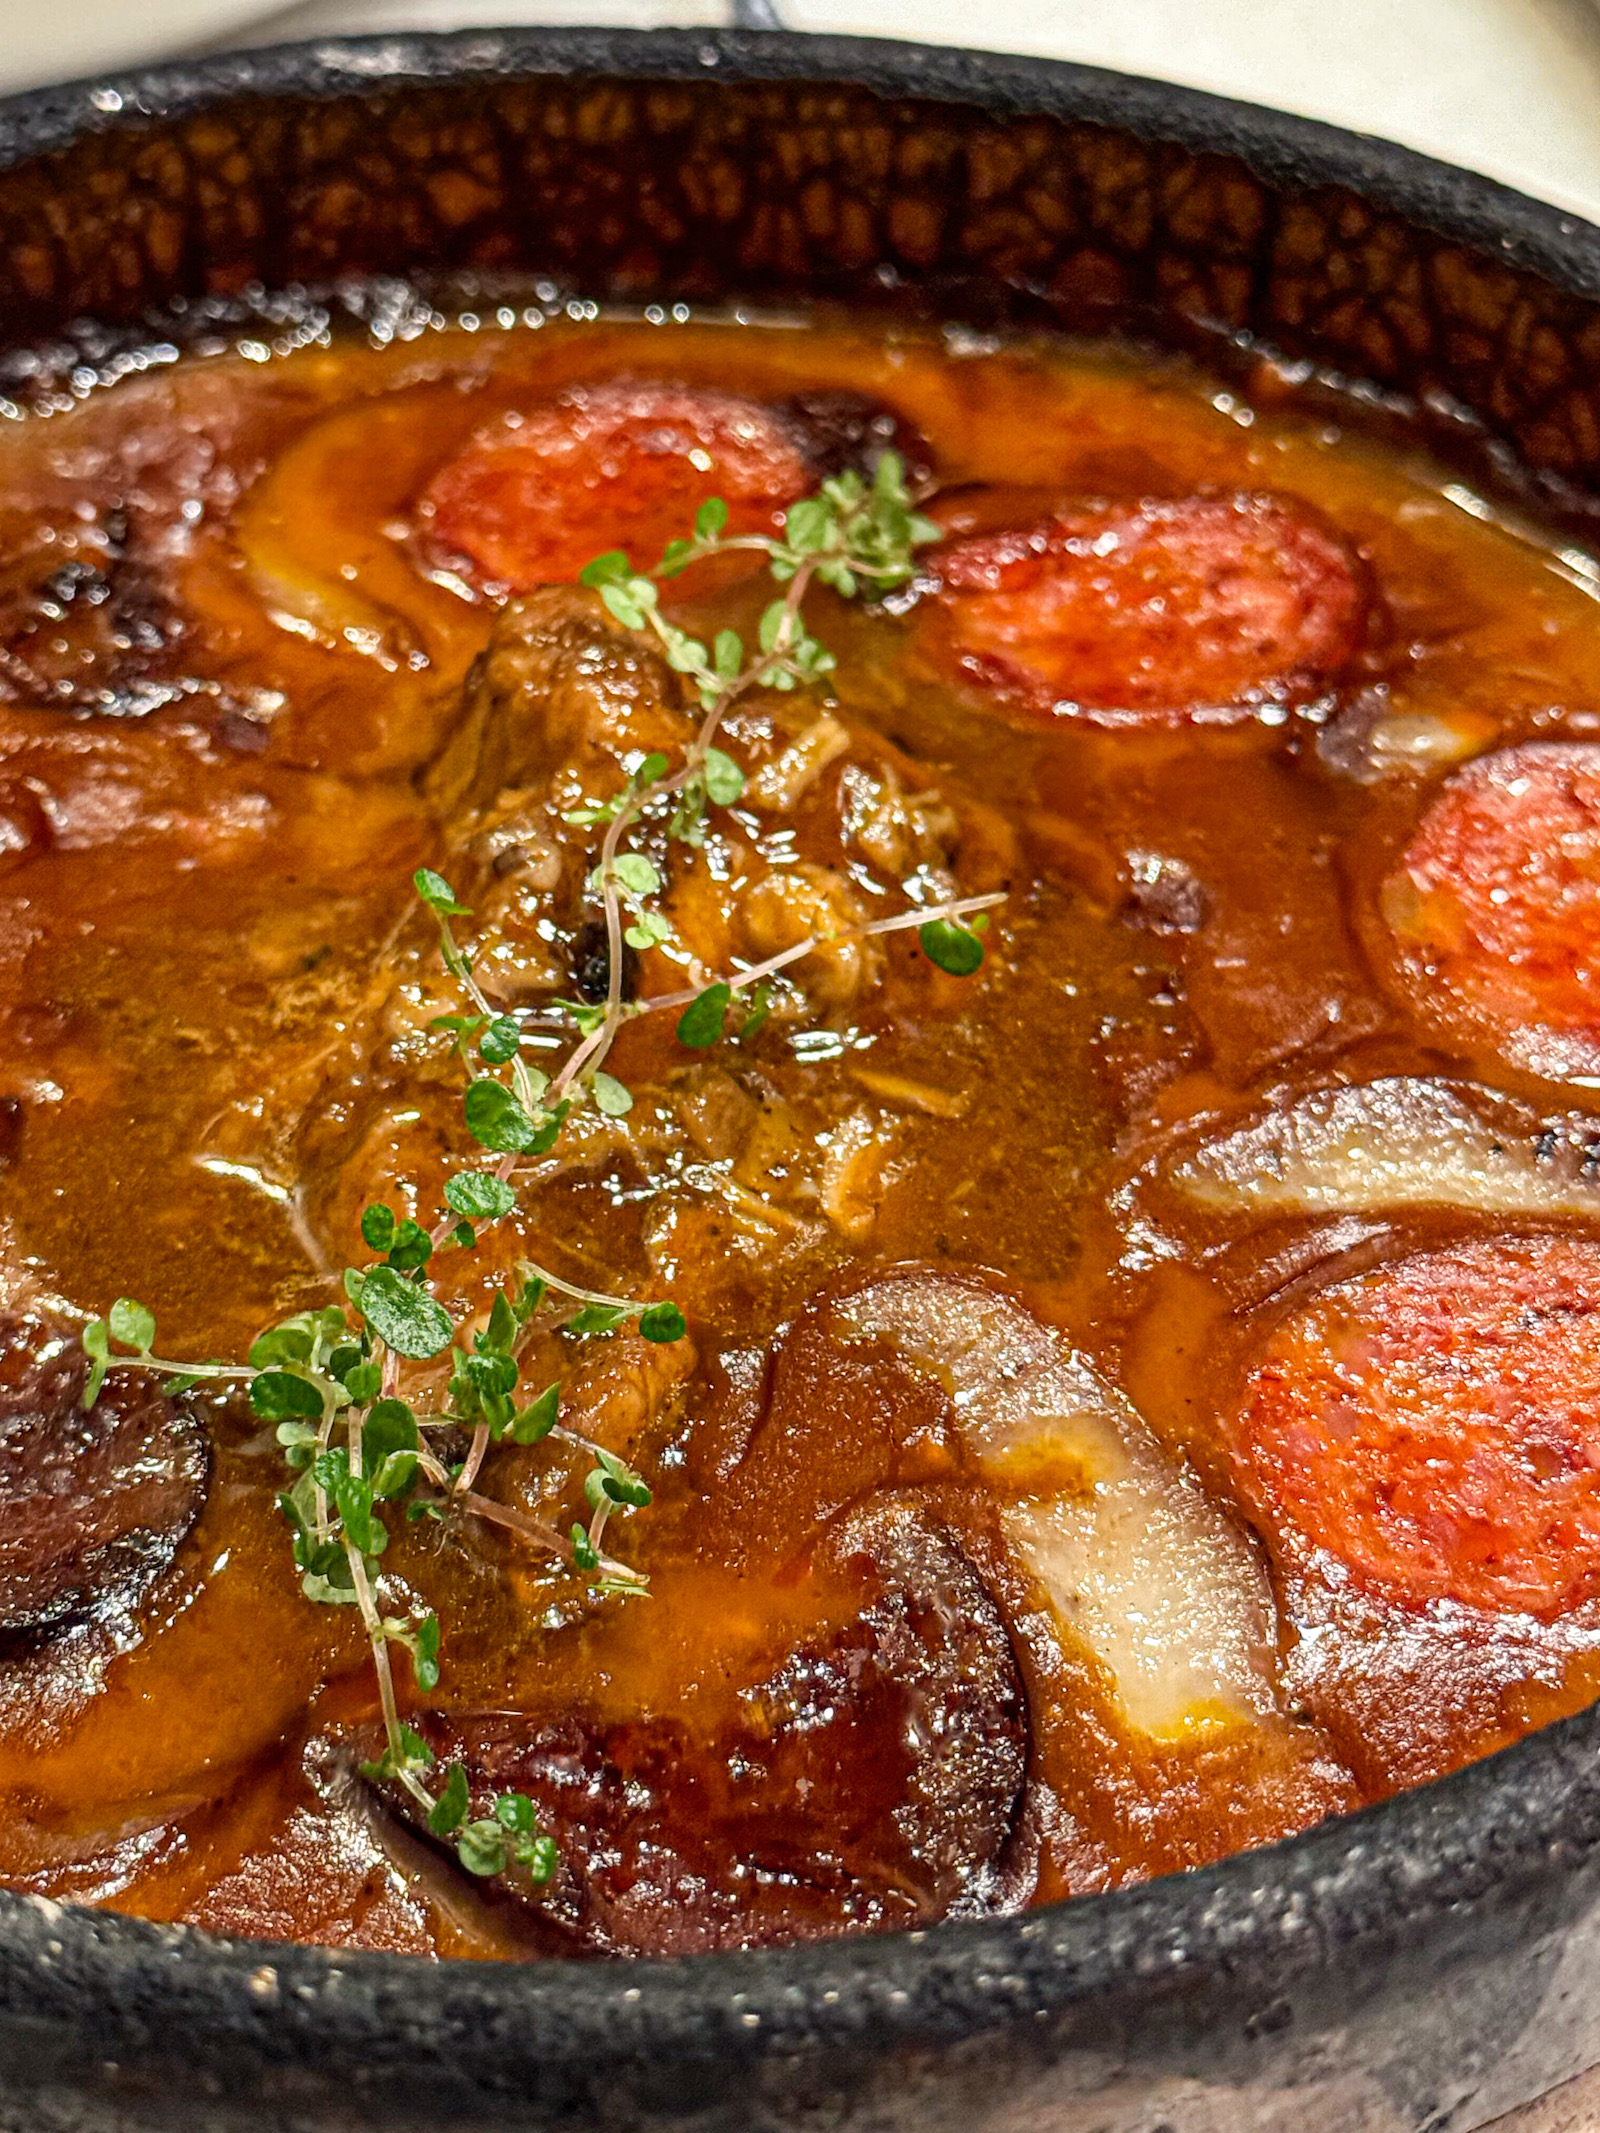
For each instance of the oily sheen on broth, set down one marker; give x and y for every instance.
(1138, 1387)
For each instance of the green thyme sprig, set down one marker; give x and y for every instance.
(853, 536)
(359, 1455)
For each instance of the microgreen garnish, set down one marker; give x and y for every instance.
(330, 1383)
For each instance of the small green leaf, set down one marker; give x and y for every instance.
(404, 1317)
(622, 606)
(648, 930)
(598, 1318)
(132, 1324)
(501, 1041)
(654, 766)
(775, 620)
(612, 568)
(662, 1323)
(808, 524)
(531, 1425)
(438, 895)
(363, 1382)
(727, 653)
(480, 1194)
(275, 1395)
(377, 1226)
(410, 1246)
(363, 1529)
(584, 1553)
(686, 655)
(614, 1481)
(96, 1346)
(952, 947)
(496, 1120)
(704, 1019)
(450, 1809)
(516, 1812)
(539, 1856)
(636, 873)
(758, 1006)
(425, 1653)
(292, 1340)
(390, 1435)
(330, 1587)
(414, 1754)
(610, 1096)
(500, 1333)
(724, 778)
(482, 1848)
(710, 519)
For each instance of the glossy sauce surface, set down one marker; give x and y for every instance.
(1014, 1301)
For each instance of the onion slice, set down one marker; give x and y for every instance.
(1395, 1143)
(1137, 1562)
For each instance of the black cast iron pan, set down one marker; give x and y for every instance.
(1425, 1965)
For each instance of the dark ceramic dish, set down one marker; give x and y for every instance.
(1428, 1964)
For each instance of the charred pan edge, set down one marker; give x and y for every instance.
(769, 167)
(1455, 287)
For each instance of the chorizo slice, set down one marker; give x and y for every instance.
(1156, 609)
(1493, 908)
(93, 1506)
(1432, 1428)
(541, 491)
(871, 1778)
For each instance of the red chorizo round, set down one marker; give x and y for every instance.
(1433, 1427)
(1493, 909)
(540, 492)
(1157, 609)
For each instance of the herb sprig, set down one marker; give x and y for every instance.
(330, 1382)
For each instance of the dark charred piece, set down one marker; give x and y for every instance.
(845, 430)
(870, 1779)
(92, 634)
(1164, 895)
(93, 1506)
(590, 956)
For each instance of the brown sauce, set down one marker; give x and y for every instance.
(1054, 1638)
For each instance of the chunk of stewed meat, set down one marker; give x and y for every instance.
(559, 688)
(868, 1778)
(93, 1506)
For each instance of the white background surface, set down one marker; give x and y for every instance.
(1510, 87)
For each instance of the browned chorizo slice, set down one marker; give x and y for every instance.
(94, 1506)
(1153, 610)
(1493, 910)
(871, 1779)
(626, 462)
(1432, 1427)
